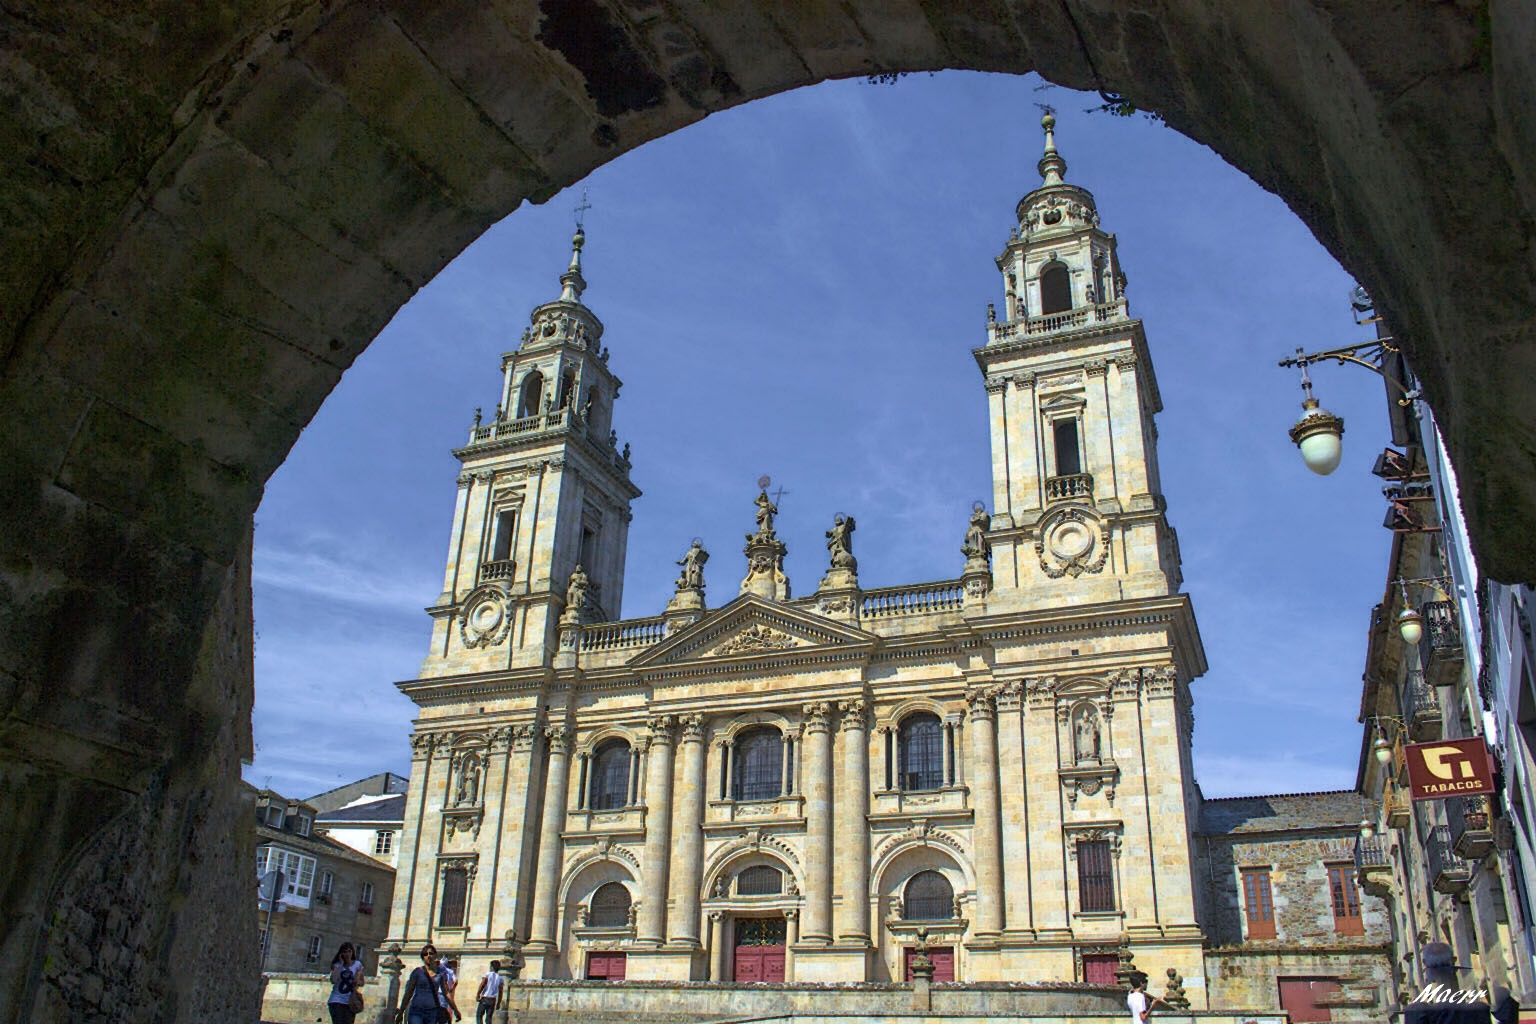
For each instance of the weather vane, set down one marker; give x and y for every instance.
(1046, 108)
(581, 209)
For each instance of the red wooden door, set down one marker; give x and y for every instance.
(943, 958)
(759, 963)
(1299, 996)
(1099, 968)
(605, 966)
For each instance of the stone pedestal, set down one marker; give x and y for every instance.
(976, 581)
(685, 608)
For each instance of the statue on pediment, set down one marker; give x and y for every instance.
(840, 543)
(692, 576)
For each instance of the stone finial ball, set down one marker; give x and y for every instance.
(1048, 122)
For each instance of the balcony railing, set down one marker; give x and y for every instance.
(1471, 829)
(1421, 709)
(1050, 323)
(610, 636)
(501, 569)
(1448, 872)
(1373, 868)
(1440, 652)
(1071, 486)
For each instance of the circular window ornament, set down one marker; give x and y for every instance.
(485, 621)
(1071, 541)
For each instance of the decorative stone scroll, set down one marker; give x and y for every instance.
(755, 639)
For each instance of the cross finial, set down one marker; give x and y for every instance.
(1046, 108)
(581, 209)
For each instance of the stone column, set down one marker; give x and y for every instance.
(551, 849)
(817, 926)
(988, 810)
(688, 830)
(716, 945)
(651, 926)
(853, 824)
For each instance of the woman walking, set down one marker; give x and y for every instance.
(346, 981)
(423, 1001)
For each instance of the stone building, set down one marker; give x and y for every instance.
(330, 893)
(1284, 917)
(993, 769)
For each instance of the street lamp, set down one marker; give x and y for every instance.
(1319, 434)
(1410, 621)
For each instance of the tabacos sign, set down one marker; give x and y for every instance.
(1449, 768)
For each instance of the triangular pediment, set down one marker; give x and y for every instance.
(751, 627)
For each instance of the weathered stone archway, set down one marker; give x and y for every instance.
(208, 212)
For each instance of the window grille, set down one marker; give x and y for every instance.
(455, 889)
(610, 906)
(928, 897)
(759, 765)
(1095, 876)
(610, 776)
(922, 752)
(760, 881)
(312, 951)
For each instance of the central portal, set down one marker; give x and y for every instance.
(759, 954)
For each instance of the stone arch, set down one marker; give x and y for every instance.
(732, 860)
(592, 740)
(216, 214)
(942, 844)
(738, 724)
(592, 868)
(906, 859)
(530, 394)
(893, 716)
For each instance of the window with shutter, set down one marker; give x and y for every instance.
(1258, 904)
(455, 889)
(1345, 897)
(1095, 876)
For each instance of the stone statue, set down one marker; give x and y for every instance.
(576, 592)
(1085, 735)
(469, 781)
(840, 543)
(1175, 996)
(477, 417)
(692, 577)
(766, 510)
(976, 547)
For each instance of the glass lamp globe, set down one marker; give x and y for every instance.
(1410, 624)
(1320, 436)
(1383, 750)
(1367, 828)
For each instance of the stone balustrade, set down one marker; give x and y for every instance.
(1069, 487)
(608, 636)
(921, 599)
(1050, 323)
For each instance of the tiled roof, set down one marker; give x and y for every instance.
(1340, 808)
(316, 846)
(386, 809)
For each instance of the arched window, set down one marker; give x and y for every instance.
(1055, 288)
(928, 897)
(760, 880)
(922, 752)
(567, 382)
(610, 906)
(610, 776)
(759, 763)
(531, 395)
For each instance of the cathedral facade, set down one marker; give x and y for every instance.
(992, 771)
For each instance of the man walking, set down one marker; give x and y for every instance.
(487, 994)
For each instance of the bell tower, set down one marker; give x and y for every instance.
(544, 489)
(1078, 511)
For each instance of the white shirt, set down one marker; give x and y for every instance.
(492, 986)
(1137, 1001)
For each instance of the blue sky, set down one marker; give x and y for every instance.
(794, 288)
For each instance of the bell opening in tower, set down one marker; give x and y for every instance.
(1055, 289)
(1069, 460)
